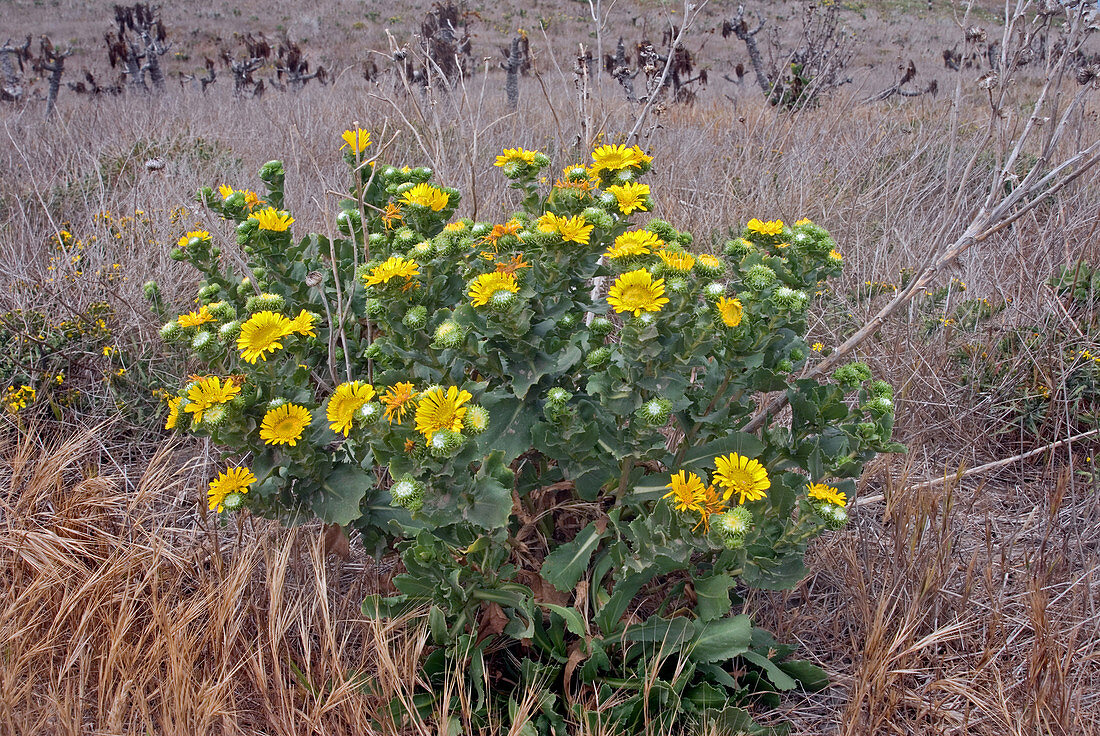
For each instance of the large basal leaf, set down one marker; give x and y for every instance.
(722, 640)
(490, 500)
(564, 567)
(772, 671)
(342, 490)
(671, 633)
(526, 373)
(775, 574)
(734, 721)
(713, 596)
(810, 676)
(510, 423)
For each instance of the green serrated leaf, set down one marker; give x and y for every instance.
(713, 594)
(341, 492)
(722, 640)
(564, 567)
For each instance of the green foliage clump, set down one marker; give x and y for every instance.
(546, 417)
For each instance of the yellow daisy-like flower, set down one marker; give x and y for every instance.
(173, 412)
(186, 238)
(454, 227)
(425, 195)
(252, 200)
(730, 310)
(262, 333)
(284, 425)
(357, 140)
(225, 191)
(637, 292)
(209, 392)
(396, 399)
(688, 493)
(634, 243)
(738, 474)
(772, 227)
(616, 158)
(817, 347)
(347, 399)
(517, 155)
(822, 492)
(630, 196)
(803, 221)
(233, 480)
(392, 267)
(194, 319)
(677, 260)
(484, 286)
(303, 324)
(834, 255)
(572, 229)
(272, 220)
(438, 409)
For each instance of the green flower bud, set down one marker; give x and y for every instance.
(481, 229)
(201, 341)
(625, 176)
(663, 229)
(541, 160)
(216, 416)
(422, 174)
(852, 374)
(233, 501)
(798, 354)
(234, 201)
(476, 420)
(599, 218)
(676, 285)
(445, 443)
(449, 334)
(229, 331)
(785, 366)
(276, 403)
(732, 526)
(370, 413)
(349, 220)
(879, 406)
(645, 319)
(601, 326)
(222, 310)
(881, 388)
(790, 299)
(567, 322)
(205, 195)
(151, 291)
(835, 517)
(177, 255)
(265, 303)
(655, 412)
(208, 292)
(273, 173)
(558, 396)
(407, 493)
(374, 351)
(374, 308)
(738, 248)
(416, 318)
(376, 240)
(170, 331)
(759, 277)
(502, 301)
(405, 236)
(598, 358)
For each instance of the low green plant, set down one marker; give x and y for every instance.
(546, 418)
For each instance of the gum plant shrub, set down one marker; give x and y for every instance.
(543, 417)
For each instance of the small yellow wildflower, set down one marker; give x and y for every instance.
(272, 220)
(357, 139)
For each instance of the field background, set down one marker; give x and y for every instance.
(967, 606)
